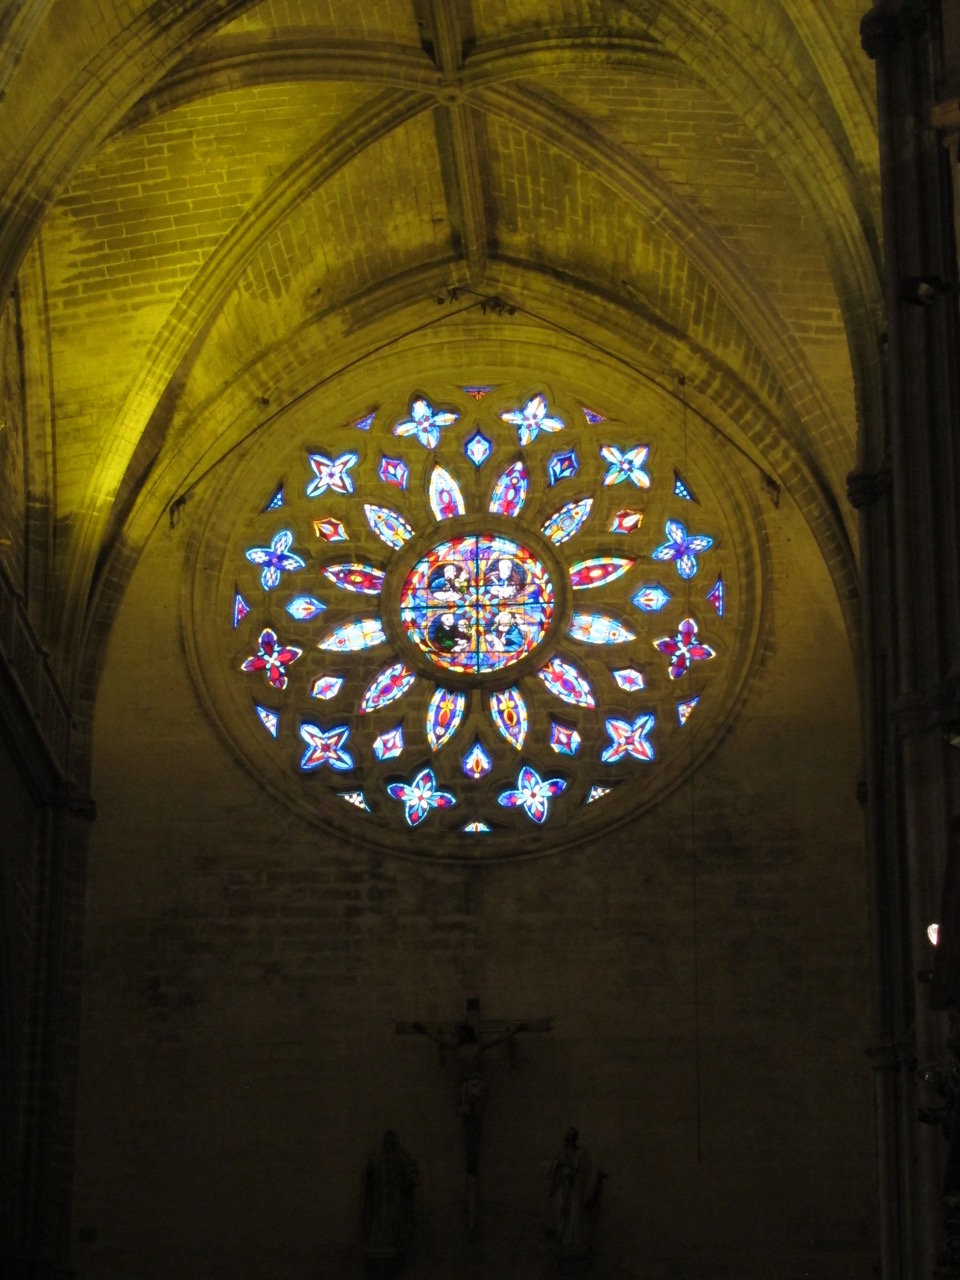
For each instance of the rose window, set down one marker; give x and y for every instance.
(484, 619)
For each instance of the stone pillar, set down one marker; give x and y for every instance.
(911, 557)
(43, 843)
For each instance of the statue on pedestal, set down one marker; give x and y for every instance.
(575, 1187)
(386, 1206)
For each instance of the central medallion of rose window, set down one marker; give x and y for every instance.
(477, 603)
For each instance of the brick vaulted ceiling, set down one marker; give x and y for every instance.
(213, 205)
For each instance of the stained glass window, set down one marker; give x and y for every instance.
(363, 634)
(269, 719)
(563, 466)
(331, 474)
(510, 491)
(477, 762)
(478, 448)
(326, 687)
(477, 603)
(508, 711)
(444, 715)
(446, 500)
(356, 577)
(305, 608)
(508, 697)
(394, 471)
(331, 529)
(388, 745)
(389, 527)
(568, 521)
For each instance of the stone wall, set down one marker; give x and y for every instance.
(705, 968)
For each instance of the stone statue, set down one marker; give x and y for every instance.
(386, 1206)
(575, 1187)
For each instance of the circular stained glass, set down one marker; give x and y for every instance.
(504, 619)
(477, 603)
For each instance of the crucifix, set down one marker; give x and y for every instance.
(470, 1039)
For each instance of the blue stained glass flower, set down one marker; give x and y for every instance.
(532, 419)
(626, 465)
(269, 718)
(682, 548)
(389, 744)
(629, 740)
(325, 746)
(651, 598)
(331, 473)
(305, 608)
(478, 448)
(276, 559)
(532, 794)
(425, 423)
(562, 466)
(394, 471)
(420, 796)
(681, 489)
(477, 763)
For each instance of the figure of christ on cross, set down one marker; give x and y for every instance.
(466, 1039)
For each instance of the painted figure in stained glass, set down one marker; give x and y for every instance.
(477, 603)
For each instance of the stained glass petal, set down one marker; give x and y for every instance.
(566, 682)
(363, 634)
(510, 491)
(598, 628)
(598, 571)
(477, 763)
(446, 498)
(305, 608)
(508, 710)
(356, 577)
(566, 522)
(392, 683)
(388, 525)
(443, 716)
